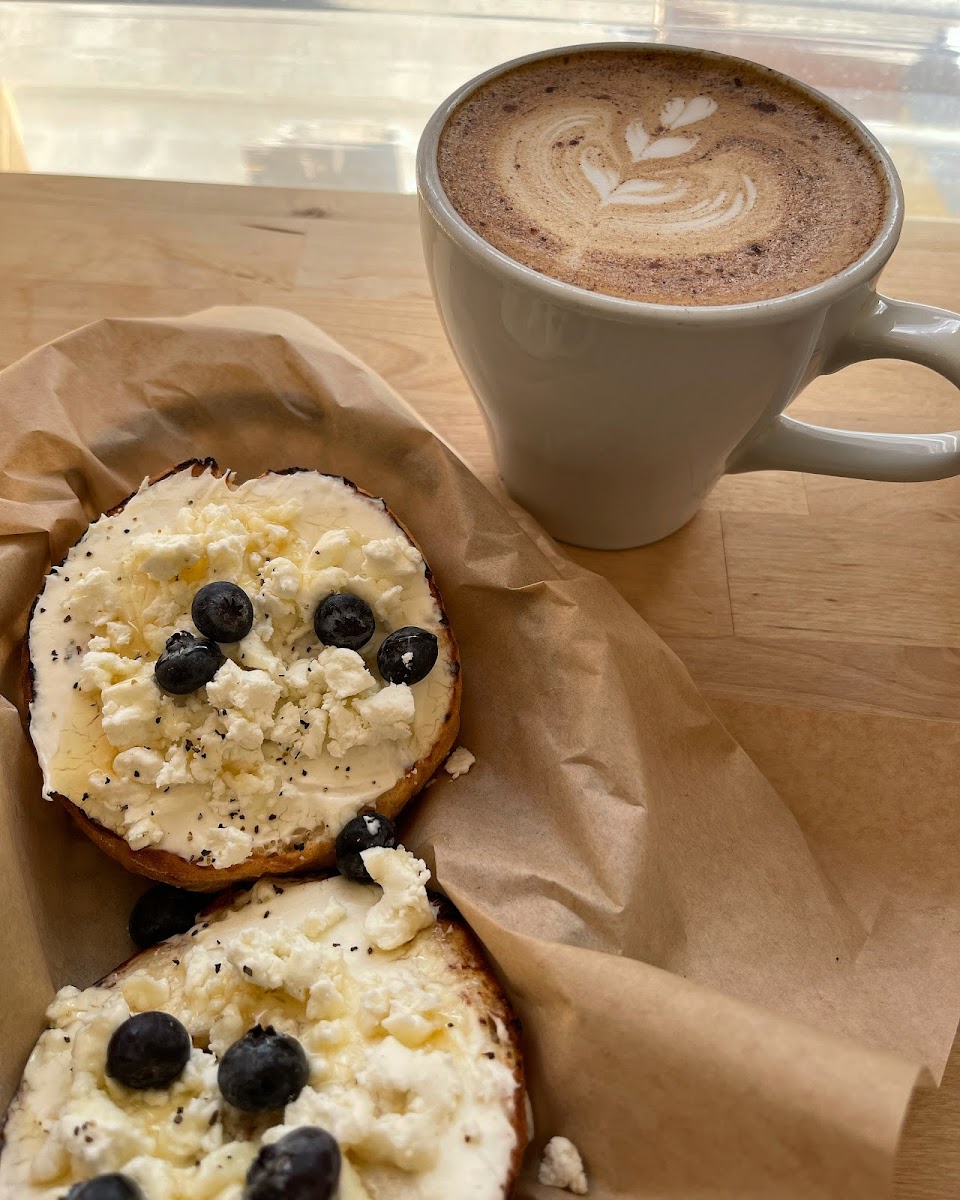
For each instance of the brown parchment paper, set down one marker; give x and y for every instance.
(707, 1012)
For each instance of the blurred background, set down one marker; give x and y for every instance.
(334, 93)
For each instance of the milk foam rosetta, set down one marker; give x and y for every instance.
(661, 176)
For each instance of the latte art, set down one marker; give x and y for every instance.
(582, 162)
(661, 175)
(732, 199)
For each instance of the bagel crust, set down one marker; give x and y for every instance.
(309, 849)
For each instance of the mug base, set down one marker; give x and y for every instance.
(603, 534)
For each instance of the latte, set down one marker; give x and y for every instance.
(662, 175)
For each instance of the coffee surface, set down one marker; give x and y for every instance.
(662, 175)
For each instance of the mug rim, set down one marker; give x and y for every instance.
(863, 268)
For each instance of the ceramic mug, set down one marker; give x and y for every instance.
(611, 419)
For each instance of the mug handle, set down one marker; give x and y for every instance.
(885, 329)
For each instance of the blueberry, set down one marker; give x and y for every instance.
(222, 611)
(149, 1050)
(187, 663)
(163, 911)
(407, 655)
(362, 833)
(344, 620)
(105, 1187)
(302, 1165)
(263, 1070)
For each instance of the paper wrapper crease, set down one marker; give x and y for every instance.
(712, 1003)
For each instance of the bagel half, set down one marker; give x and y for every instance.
(415, 1062)
(219, 808)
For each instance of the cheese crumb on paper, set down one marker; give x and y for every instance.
(562, 1167)
(459, 762)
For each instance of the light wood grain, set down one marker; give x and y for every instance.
(682, 586)
(843, 579)
(764, 491)
(887, 678)
(810, 611)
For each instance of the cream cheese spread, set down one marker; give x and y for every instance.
(404, 1069)
(290, 736)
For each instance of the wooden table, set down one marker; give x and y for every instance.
(789, 598)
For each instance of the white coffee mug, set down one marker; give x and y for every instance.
(611, 419)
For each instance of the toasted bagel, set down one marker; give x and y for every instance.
(211, 788)
(415, 1064)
